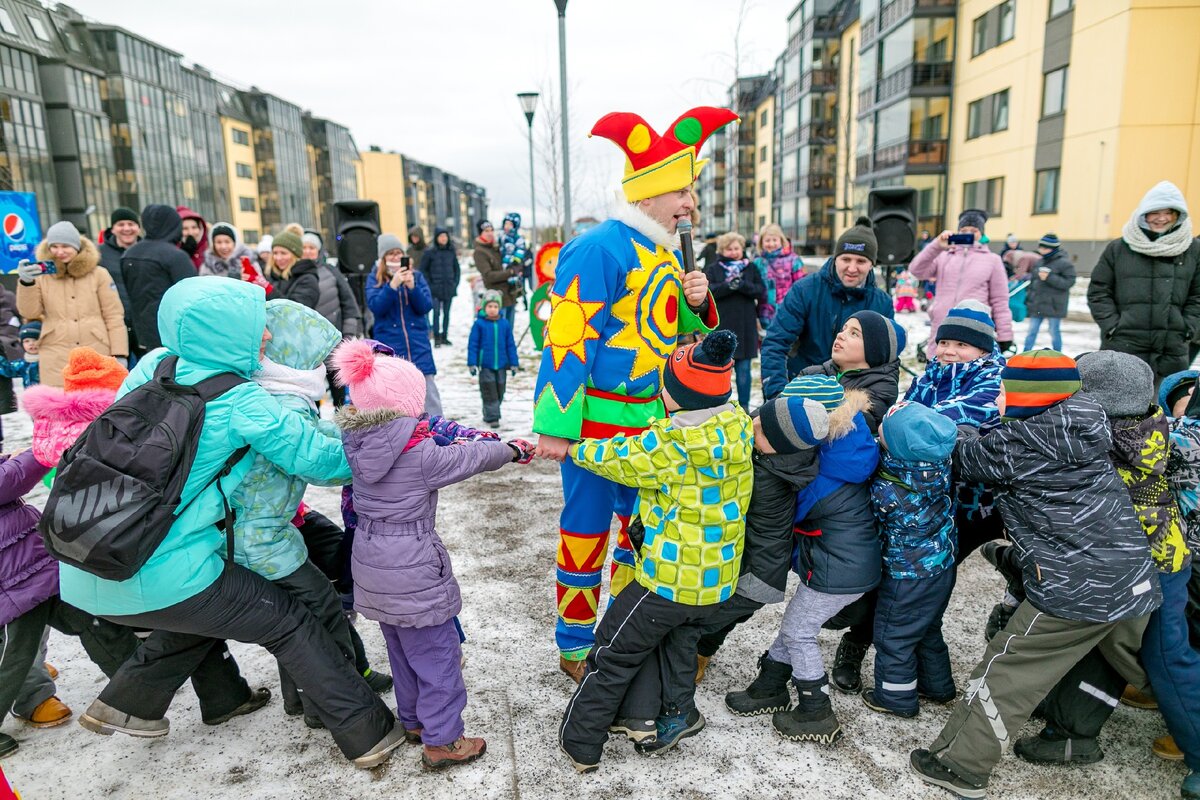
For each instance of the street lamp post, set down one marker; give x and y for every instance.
(529, 105)
(566, 147)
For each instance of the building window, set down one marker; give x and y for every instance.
(975, 119)
(250, 236)
(243, 170)
(1000, 111)
(762, 154)
(1060, 7)
(39, 30)
(241, 137)
(246, 203)
(6, 23)
(988, 115)
(1054, 92)
(1045, 192)
(762, 118)
(986, 194)
(993, 28)
(762, 188)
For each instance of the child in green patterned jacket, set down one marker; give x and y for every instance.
(693, 473)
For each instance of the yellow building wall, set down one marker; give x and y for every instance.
(249, 223)
(847, 128)
(763, 174)
(383, 182)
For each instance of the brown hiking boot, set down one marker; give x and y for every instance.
(1137, 699)
(51, 670)
(1165, 748)
(413, 736)
(464, 751)
(573, 669)
(701, 665)
(50, 713)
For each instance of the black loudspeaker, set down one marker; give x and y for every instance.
(893, 212)
(356, 224)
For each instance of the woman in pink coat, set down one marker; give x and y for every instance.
(965, 272)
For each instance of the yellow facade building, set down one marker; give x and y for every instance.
(764, 161)
(847, 129)
(242, 174)
(1064, 114)
(383, 181)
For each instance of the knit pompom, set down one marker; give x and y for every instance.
(294, 227)
(718, 347)
(864, 222)
(354, 361)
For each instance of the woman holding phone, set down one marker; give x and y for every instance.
(965, 269)
(399, 298)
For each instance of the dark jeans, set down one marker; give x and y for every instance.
(440, 324)
(492, 383)
(509, 313)
(246, 607)
(106, 644)
(741, 372)
(308, 585)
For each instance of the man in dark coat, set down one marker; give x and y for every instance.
(1049, 290)
(150, 267)
(124, 231)
(416, 245)
(442, 270)
(816, 308)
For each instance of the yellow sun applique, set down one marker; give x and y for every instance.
(570, 324)
(649, 310)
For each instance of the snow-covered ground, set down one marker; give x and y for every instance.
(501, 530)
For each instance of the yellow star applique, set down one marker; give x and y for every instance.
(570, 326)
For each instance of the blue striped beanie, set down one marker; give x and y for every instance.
(1050, 241)
(970, 323)
(822, 388)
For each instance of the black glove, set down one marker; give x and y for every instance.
(474, 372)
(1004, 346)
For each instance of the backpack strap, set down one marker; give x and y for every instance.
(228, 522)
(217, 385)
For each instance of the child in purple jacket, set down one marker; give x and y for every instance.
(402, 573)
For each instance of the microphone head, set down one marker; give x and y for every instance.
(684, 226)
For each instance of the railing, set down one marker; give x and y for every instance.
(868, 31)
(866, 99)
(814, 131)
(928, 151)
(936, 74)
(894, 11)
(919, 75)
(790, 186)
(819, 79)
(790, 140)
(825, 23)
(821, 181)
(890, 155)
(862, 164)
(791, 92)
(893, 83)
(936, 5)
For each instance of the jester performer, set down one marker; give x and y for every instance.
(619, 301)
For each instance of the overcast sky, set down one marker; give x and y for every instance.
(437, 80)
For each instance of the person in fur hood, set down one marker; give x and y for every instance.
(620, 300)
(77, 302)
(228, 250)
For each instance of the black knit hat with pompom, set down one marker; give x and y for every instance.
(859, 240)
(698, 376)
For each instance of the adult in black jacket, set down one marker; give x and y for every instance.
(738, 287)
(294, 278)
(1145, 289)
(441, 268)
(124, 231)
(149, 268)
(1049, 291)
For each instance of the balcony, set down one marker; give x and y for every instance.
(895, 11)
(862, 164)
(939, 7)
(818, 80)
(791, 92)
(790, 140)
(821, 25)
(818, 131)
(868, 33)
(930, 78)
(820, 182)
(913, 153)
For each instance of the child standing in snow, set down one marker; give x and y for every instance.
(398, 469)
(908, 289)
(914, 507)
(693, 473)
(491, 355)
(25, 368)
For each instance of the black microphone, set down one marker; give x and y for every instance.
(684, 229)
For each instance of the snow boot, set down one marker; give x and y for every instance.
(582, 767)
(258, 698)
(379, 682)
(812, 719)
(847, 665)
(635, 730)
(701, 666)
(572, 669)
(871, 702)
(413, 736)
(1165, 748)
(51, 670)
(1052, 746)
(767, 693)
(672, 729)
(463, 751)
(8, 745)
(935, 773)
(50, 713)
(105, 720)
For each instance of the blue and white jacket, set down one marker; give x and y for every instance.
(914, 507)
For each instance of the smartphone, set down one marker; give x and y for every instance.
(962, 238)
(48, 267)
(405, 262)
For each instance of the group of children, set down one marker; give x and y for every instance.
(1094, 483)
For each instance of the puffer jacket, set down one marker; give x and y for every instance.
(1082, 552)
(1140, 453)
(400, 321)
(150, 268)
(807, 321)
(301, 285)
(190, 558)
(491, 344)
(197, 258)
(1183, 474)
(779, 270)
(839, 550)
(914, 507)
(28, 574)
(59, 418)
(441, 268)
(335, 300)
(293, 372)
(416, 250)
(1050, 297)
(694, 475)
(965, 273)
(402, 572)
(110, 259)
(771, 523)
(78, 307)
(881, 384)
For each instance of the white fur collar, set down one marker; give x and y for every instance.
(643, 223)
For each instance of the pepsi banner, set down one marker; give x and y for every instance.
(22, 229)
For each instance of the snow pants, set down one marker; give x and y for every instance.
(637, 625)
(1019, 666)
(911, 657)
(246, 607)
(314, 591)
(796, 643)
(589, 503)
(329, 550)
(492, 383)
(427, 675)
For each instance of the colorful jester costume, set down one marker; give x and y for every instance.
(618, 307)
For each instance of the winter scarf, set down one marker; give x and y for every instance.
(279, 379)
(419, 434)
(1172, 243)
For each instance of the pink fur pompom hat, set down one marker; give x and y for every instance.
(377, 381)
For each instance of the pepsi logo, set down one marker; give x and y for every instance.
(14, 227)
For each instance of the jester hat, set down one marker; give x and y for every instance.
(657, 164)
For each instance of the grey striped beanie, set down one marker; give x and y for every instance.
(792, 424)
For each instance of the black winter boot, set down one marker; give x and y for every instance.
(766, 694)
(812, 720)
(847, 665)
